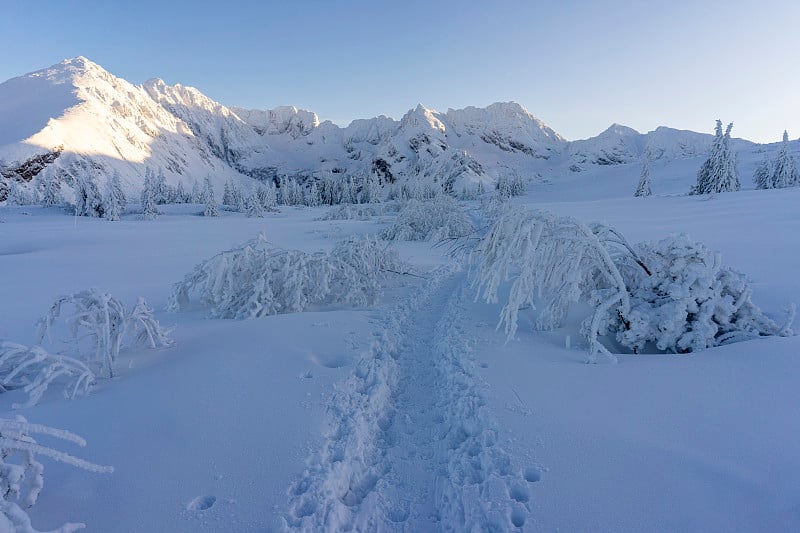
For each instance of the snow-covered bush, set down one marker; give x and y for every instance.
(103, 321)
(22, 475)
(354, 212)
(258, 279)
(672, 294)
(553, 261)
(360, 264)
(431, 220)
(688, 302)
(33, 370)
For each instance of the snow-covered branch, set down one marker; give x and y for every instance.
(552, 259)
(104, 320)
(258, 279)
(673, 294)
(22, 476)
(33, 370)
(429, 220)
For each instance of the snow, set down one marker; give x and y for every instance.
(415, 413)
(228, 429)
(106, 123)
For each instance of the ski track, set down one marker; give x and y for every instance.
(410, 444)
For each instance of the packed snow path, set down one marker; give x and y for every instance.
(410, 444)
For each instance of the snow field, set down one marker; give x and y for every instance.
(414, 415)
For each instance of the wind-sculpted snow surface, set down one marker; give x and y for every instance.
(410, 445)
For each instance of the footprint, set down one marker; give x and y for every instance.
(202, 503)
(519, 492)
(518, 516)
(532, 474)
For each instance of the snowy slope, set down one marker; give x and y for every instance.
(108, 125)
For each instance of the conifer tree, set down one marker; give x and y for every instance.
(51, 195)
(180, 194)
(197, 195)
(148, 196)
(763, 174)
(115, 199)
(785, 171)
(253, 207)
(88, 201)
(227, 194)
(210, 202)
(719, 173)
(643, 189)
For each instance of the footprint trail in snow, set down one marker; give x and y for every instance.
(410, 444)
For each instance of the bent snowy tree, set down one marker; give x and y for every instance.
(672, 294)
(553, 259)
(104, 320)
(22, 476)
(258, 279)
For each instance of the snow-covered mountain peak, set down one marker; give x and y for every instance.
(423, 117)
(619, 130)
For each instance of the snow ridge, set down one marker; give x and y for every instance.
(410, 443)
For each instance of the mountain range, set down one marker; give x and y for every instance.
(75, 117)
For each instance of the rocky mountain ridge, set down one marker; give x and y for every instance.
(75, 117)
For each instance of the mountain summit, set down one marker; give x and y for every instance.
(76, 117)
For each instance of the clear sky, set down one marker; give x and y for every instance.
(579, 65)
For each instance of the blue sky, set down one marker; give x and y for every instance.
(577, 65)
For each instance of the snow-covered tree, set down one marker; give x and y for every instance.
(15, 194)
(314, 198)
(181, 196)
(51, 192)
(33, 370)
(240, 197)
(553, 262)
(102, 321)
(643, 188)
(253, 206)
(210, 209)
(149, 195)
(763, 174)
(673, 294)
(267, 195)
(687, 302)
(784, 173)
(510, 185)
(429, 220)
(196, 195)
(160, 188)
(228, 197)
(258, 279)
(114, 199)
(88, 200)
(719, 173)
(22, 475)
(356, 211)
